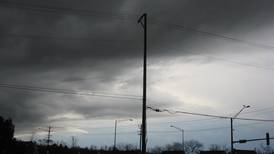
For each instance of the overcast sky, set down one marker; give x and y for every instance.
(97, 46)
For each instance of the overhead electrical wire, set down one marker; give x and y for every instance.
(31, 36)
(227, 60)
(67, 92)
(215, 35)
(206, 115)
(127, 41)
(187, 130)
(118, 41)
(237, 62)
(264, 110)
(62, 10)
(92, 93)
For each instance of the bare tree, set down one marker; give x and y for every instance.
(92, 147)
(215, 147)
(193, 147)
(127, 147)
(174, 147)
(264, 149)
(157, 150)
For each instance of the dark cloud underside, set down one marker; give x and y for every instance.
(80, 51)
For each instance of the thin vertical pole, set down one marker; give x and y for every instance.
(231, 133)
(183, 140)
(140, 141)
(48, 140)
(140, 138)
(115, 132)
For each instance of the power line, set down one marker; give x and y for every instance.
(67, 92)
(90, 91)
(227, 127)
(156, 131)
(29, 36)
(118, 41)
(215, 35)
(264, 110)
(206, 115)
(165, 131)
(236, 62)
(186, 121)
(61, 10)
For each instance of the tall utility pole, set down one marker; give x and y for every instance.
(231, 127)
(48, 140)
(143, 21)
(48, 137)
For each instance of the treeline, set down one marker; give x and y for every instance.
(20, 147)
(9, 145)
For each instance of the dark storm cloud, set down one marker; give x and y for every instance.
(113, 47)
(220, 16)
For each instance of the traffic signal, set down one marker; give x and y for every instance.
(267, 138)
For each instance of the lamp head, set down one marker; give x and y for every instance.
(246, 106)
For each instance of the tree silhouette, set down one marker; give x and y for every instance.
(174, 147)
(215, 147)
(6, 133)
(193, 147)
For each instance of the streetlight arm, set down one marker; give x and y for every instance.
(115, 130)
(122, 120)
(238, 113)
(244, 107)
(177, 128)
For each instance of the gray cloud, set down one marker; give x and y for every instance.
(113, 49)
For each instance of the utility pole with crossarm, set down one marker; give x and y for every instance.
(143, 21)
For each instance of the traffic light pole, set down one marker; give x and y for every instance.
(231, 126)
(267, 138)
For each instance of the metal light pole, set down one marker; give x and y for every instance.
(181, 130)
(115, 130)
(140, 139)
(231, 126)
(143, 21)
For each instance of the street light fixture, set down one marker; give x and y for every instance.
(231, 126)
(181, 130)
(115, 130)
